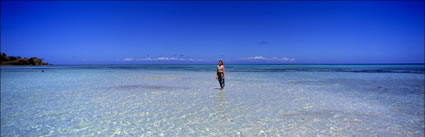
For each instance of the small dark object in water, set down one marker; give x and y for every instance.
(42, 70)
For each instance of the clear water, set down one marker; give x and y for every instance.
(185, 100)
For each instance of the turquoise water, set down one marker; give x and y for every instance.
(185, 100)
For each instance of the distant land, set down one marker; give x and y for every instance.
(17, 60)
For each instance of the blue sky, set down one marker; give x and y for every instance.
(132, 32)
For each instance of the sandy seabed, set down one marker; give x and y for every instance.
(114, 102)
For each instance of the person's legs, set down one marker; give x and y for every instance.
(221, 80)
(223, 83)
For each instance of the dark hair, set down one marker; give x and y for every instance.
(221, 62)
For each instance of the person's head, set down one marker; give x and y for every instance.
(220, 62)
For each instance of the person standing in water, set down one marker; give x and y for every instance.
(220, 73)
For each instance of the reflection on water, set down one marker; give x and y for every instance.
(221, 111)
(225, 123)
(221, 101)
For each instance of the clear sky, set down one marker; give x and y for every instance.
(132, 32)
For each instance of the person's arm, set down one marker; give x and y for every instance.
(216, 74)
(223, 72)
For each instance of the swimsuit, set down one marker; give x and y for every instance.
(220, 77)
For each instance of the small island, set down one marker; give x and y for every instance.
(17, 60)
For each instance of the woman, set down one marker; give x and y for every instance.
(220, 73)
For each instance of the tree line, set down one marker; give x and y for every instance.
(17, 60)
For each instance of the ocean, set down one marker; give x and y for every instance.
(186, 100)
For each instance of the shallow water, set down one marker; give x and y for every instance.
(185, 100)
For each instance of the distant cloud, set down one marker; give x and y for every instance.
(161, 59)
(272, 59)
(177, 58)
(256, 58)
(128, 59)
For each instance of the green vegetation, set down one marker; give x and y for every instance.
(17, 60)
